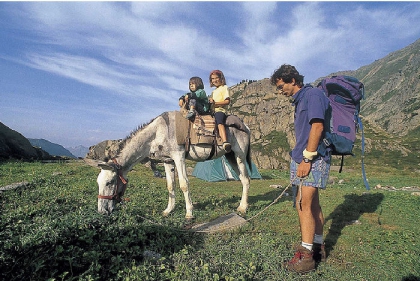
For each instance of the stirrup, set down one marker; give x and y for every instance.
(227, 147)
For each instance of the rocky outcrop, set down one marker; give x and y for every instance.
(105, 149)
(270, 119)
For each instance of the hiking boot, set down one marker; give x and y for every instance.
(319, 252)
(190, 114)
(227, 147)
(302, 262)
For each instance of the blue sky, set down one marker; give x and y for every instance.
(78, 73)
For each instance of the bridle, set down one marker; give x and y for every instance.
(120, 180)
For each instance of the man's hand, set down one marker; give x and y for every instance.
(303, 169)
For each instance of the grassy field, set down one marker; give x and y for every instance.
(50, 230)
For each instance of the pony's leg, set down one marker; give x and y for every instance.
(170, 184)
(245, 180)
(184, 185)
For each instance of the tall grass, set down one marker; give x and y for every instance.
(50, 230)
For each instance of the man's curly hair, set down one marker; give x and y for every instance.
(287, 72)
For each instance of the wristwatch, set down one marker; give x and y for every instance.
(306, 160)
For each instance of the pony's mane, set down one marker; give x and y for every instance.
(128, 138)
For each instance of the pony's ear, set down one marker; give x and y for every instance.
(91, 162)
(106, 166)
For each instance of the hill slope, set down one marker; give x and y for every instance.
(15, 145)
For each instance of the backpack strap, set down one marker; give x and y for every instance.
(342, 163)
(359, 121)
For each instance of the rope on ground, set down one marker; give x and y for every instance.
(272, 203)
(242, 222)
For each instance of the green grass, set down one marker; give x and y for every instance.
(50, 230)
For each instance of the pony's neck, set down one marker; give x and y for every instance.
(137, 148)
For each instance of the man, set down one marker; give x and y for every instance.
(308, 170)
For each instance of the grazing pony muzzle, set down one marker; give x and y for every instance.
(112, 186)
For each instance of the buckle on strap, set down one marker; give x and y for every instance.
(326, 142)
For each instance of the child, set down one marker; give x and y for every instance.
(220, 99)
(196, 100)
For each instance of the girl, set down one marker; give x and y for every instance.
(220, 99)
(195, 100)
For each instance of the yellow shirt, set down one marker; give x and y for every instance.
(220, 94)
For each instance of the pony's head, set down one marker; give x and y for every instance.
(111, 185)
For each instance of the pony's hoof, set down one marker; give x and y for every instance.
(188, 223)
(189, 219)
(241, 211)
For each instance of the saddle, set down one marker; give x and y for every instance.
(202, 130)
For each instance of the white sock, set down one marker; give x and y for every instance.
(307, 246)
(319, 239)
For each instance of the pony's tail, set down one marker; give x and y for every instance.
(248, 154)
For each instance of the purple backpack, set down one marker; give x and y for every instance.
(342, 121)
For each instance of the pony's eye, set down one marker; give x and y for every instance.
(110, 182)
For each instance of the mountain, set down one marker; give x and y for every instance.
(78, 151)
(51, 148)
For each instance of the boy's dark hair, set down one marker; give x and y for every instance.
(197, 81)
(287, 72)
(219, 74)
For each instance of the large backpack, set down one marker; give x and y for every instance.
(343, 121)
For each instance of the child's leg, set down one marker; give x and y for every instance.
(200, 109)
(220, 121)
(193, 103)
(191, 112)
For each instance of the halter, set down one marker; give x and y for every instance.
(120, 179)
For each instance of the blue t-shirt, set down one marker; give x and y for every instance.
(310, 103)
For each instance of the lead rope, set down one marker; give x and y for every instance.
(253, 217)
(274, 202)
(301, 180)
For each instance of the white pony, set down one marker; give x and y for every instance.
(157, 140)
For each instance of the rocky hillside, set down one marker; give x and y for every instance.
(270, 118)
